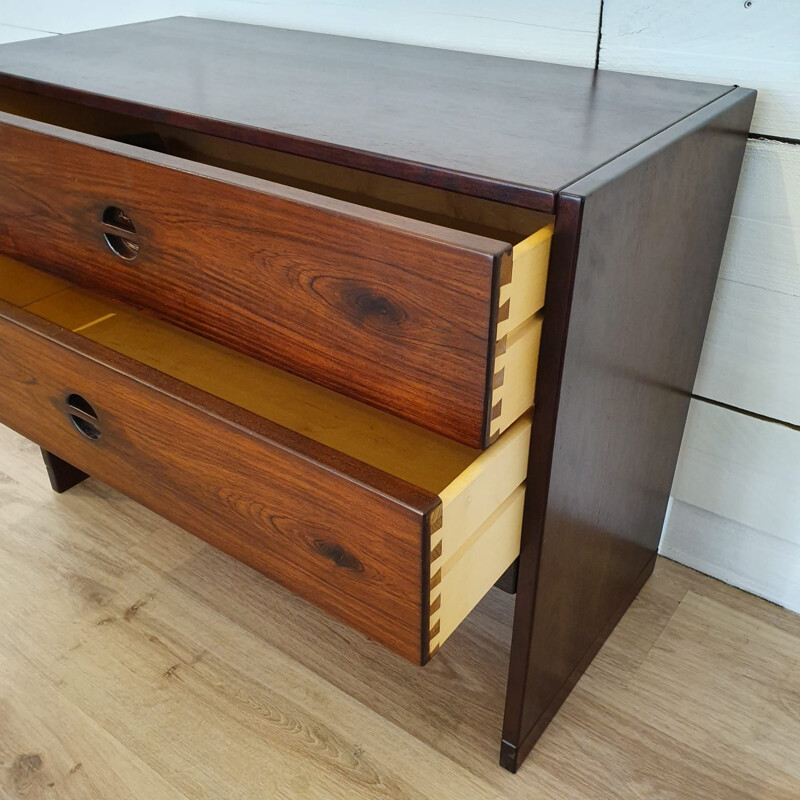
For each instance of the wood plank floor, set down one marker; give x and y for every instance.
(137, 662)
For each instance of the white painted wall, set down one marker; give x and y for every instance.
(735, 513)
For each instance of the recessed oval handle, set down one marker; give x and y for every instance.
(119, 233)
(83, 416)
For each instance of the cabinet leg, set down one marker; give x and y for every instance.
(63, 476)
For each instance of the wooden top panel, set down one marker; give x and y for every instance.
(503, 128)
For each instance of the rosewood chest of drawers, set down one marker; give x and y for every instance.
(390, 324)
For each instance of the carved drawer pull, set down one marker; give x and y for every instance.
(83, 416)
(120, 233)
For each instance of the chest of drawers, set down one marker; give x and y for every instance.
(391, 325)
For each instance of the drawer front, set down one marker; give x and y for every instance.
(394, 312)
(347, 537)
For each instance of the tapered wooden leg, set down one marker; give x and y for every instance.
(507, 582)
(63, 476)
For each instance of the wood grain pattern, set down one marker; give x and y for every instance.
(266, 699)
(620, 346)
(518, 331)
(460, 580)
(582, 143)
(516, 368)
(523, 129)
(385, 309)
(330, 528)
(56, 745)
(475, 530)
(480, 530)
(385, 442)
(131, 649)
(440, 206)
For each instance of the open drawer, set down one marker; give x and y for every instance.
(419, 301)
(392, 528)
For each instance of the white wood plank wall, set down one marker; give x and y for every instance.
(735, 513)
(562, 32)
(736, 497)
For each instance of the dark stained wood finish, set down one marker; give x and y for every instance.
(636, 253)
(347, 537)
(506, 129)
(641, 174)
(507, 582)
(392, 311)
(63, 476)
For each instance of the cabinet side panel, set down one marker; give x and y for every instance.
(650, 229)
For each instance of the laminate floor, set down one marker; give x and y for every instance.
(138, 662)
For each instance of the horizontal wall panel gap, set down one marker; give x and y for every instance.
(741, 468)
(747, 413)
(750, 559)
(765, 137)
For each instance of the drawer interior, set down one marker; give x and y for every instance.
(481, 492)
(520, 295)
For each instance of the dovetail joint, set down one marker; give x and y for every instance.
(435, 589)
